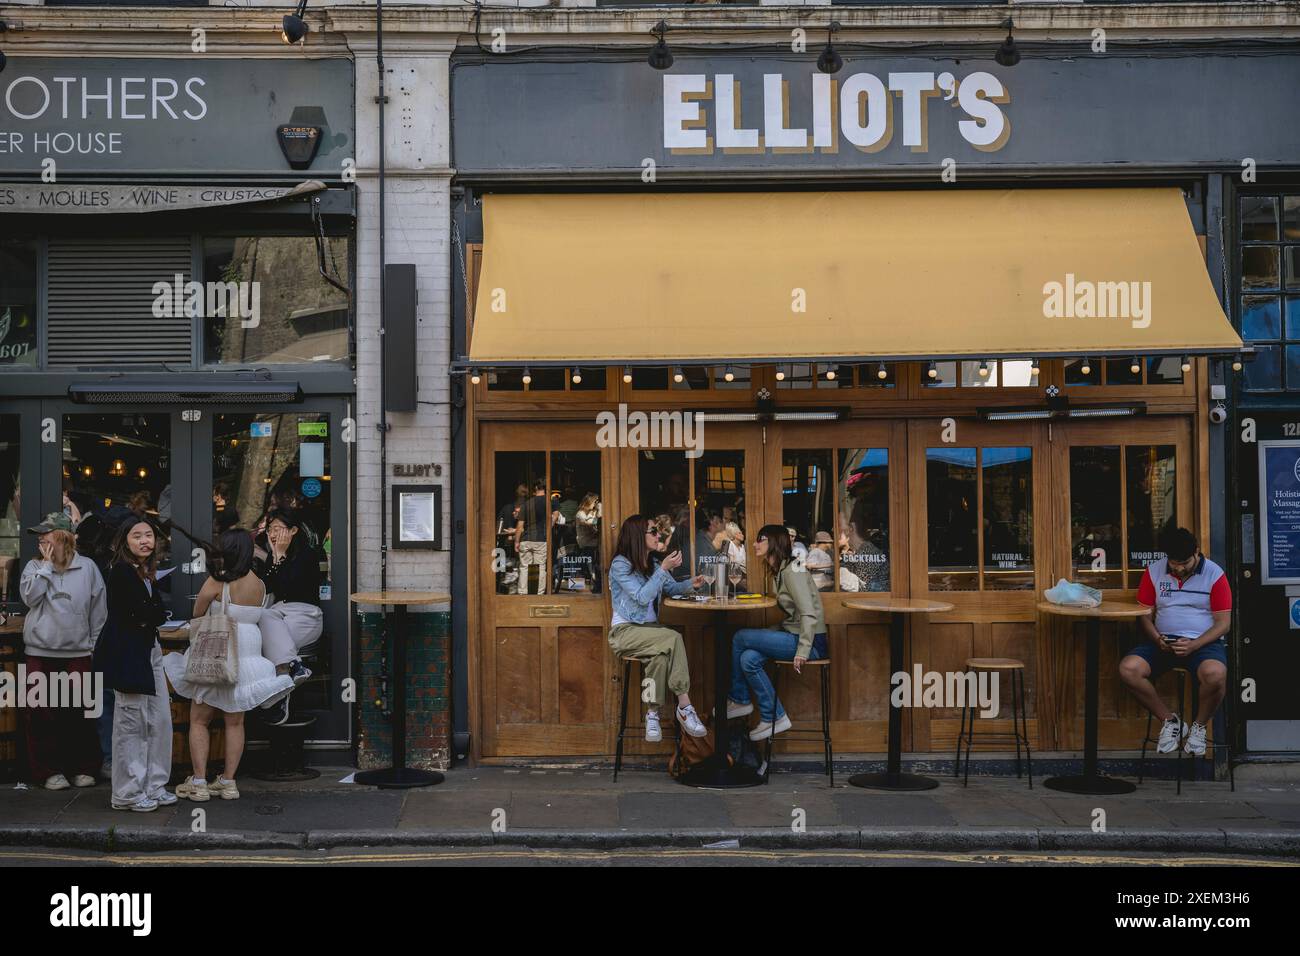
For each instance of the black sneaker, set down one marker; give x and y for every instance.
(299, 672)
(277, 713)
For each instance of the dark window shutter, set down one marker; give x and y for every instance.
(100, 303)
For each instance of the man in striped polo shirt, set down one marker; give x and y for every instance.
(1193, 612)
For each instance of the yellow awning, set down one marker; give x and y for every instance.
(943, 273)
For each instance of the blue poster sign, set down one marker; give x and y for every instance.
(311, 488)
(1279, 495)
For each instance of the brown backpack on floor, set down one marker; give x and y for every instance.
(690, 752)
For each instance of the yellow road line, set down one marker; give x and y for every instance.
(148, 859)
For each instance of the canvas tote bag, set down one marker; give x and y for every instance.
(213, 658)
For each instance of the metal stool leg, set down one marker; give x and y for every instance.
(970, 737)
(622, 719)
(1015, 726)
(1182, 719)
(956, 760)
(1146, 739)
(826, 724)
(1024, 719)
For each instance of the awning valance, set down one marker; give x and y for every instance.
(107, 198)
(661, 278)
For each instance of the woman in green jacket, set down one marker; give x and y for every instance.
(800, 638)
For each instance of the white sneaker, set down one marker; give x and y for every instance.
(1195, 740)
(764, 729)
(735, 710)
(690, 721)
(1170, 734)
(83, 780)
(57, 782)
(653, 733)
(143, 805)
(164, 798)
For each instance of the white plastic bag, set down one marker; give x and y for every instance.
(1073, 594)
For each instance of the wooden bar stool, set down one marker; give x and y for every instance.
(624, 732)
(1019, 718)
(1185, 678)
(824, 735)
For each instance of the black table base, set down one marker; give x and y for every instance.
(1096, 784)
(714, 773)
(398, 776)
(893, 778)
(892, 781)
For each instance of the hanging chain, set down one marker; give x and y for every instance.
(460, 254)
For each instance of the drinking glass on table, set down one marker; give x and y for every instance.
(735, 571)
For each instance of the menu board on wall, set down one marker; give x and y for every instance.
(1279, 496)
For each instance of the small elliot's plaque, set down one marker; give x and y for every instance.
(299, 144)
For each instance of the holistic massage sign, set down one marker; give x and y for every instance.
(702, 112)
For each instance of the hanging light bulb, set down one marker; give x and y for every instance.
(931, 370)
(882, 373)
(627, 376)
(528, 376)
(728, 375)
(1033, 367)
(830, 374)
(475, 376)
(1236, 364)
(1135, 366)
(780, 373)
(576, 377)
(1187, 363)
(1086, 369)
(677, 375)
(984, 368)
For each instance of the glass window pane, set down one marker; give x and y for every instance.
(505, 380)
(1095, 530)
(1261, 318)
(1259, 267)
(796, 376)
(1074, 374)
(1258, 218)
(694, 377)
(1293, 318)
(1293, 367)
(522, 517)
(863, 544)
(650, 378)
(1151, 478)
(808, 507)
(1292, 256)
(1119, 371)
(1291, 217)
(575, 537)
(1264, 374)
(971, 377)
(946, 376)
(593, 380)
(1008, 518)
(18, 265)
(843, 376)
(952, 503)
(720, 532)
(869, 376)
(299, 316)
(1165, 370)
(1018, 373)
(739, 376)
(547, 379)
(11, 531)
(664, 489)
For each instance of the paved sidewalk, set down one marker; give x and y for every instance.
(586, 808)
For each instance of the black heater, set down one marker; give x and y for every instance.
(399, 337)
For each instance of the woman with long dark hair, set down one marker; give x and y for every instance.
(233, 589)
(801, 637)
(129, 656)
(292, 576)
(635, 588)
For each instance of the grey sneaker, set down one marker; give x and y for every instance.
(57, 782)
(82, 780)
(764, 729)
(1171, 732)
(143, 805)
(1195, 740)
(164, 798)
(735, 710)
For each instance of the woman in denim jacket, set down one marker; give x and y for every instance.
(635, 587)
(800, 638)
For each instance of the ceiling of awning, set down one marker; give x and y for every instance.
(766, 277)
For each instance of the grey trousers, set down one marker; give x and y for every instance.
(288, 627)
(142, 740)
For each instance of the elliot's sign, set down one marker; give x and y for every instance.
(860, 110)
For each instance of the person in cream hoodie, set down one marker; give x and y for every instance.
(66, 609)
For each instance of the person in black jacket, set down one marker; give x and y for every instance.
(291, 573)
(131, 660)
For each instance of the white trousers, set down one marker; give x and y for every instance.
(288, 627)
(142, 740)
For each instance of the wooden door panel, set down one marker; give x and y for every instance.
(518, 673)
(581, 666)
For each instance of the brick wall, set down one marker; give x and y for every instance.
(428, 716)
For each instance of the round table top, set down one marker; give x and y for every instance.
(893, 605)
(400, 597)
(1104, 609)
(715, 604)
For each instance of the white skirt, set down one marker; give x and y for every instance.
(258, 683)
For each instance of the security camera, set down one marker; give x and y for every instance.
(1218, 414)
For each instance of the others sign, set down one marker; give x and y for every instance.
(171, 116)
(1279, 495)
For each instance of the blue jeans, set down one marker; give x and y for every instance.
(751, 648)
(104, 725)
